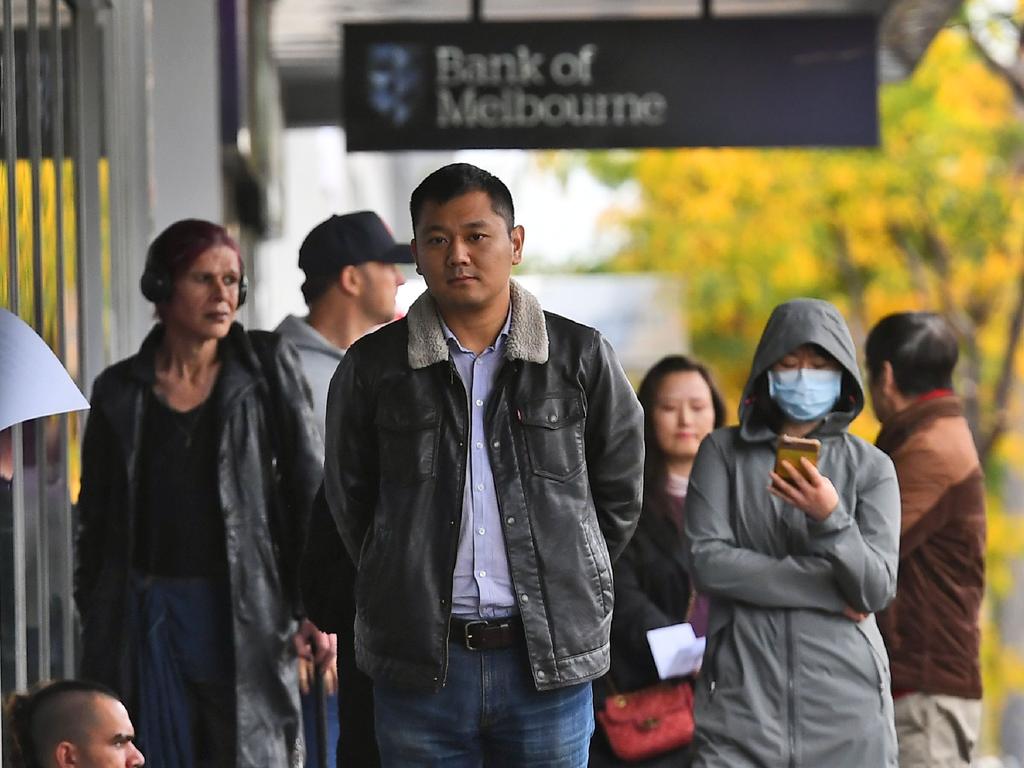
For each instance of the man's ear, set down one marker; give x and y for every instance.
(65, 754)
(350, 280)
(518, 237)
(887, 380)
(415, 256)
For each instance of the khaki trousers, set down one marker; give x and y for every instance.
(936, 731)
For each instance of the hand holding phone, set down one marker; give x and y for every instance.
(792, 449)
(802, 486)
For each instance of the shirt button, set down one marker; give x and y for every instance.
(510, 520)
(479, 402)
(483, 574)
(479, 486)
(481, 531)
(478, 445)
(524, 598)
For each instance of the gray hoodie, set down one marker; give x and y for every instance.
(787, 679)
(319, 358)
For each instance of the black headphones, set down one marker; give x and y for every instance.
(158, 286)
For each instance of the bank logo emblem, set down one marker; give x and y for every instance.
(394, 79)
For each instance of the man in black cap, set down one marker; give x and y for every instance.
(352, 276)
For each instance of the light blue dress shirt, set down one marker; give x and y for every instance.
(482, 584)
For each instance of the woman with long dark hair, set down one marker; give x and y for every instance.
(681, 406)
(200, 463)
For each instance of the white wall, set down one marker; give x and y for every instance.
(186, 157)
(321, 179)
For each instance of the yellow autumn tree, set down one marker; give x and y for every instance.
(933, 219)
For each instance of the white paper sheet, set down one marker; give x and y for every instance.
(33, 383)
(676, 650)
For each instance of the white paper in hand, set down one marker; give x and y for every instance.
(676, 650)
(33, 383)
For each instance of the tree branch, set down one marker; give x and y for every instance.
(915, 264)
(1004, 384)
(1012, 78)
(853, 281)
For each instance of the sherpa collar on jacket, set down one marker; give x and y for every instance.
(527, 335)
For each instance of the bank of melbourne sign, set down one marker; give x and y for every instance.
(663, 83)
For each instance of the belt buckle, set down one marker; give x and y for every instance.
(467, 628)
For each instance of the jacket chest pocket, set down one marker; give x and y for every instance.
(407, 435)
(553, 427)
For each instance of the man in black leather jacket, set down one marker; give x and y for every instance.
(484, 464)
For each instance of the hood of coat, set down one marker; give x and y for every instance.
(306, 338)
(797, 322)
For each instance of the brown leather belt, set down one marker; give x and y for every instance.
(486, 634)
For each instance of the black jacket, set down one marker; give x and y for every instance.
(262, 537)
(565, 442)
(652, 590)
(327, 581)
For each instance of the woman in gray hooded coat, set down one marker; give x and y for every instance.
(795, 673)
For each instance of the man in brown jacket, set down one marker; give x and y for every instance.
(931, 628)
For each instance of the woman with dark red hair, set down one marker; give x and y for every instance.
(199, 468)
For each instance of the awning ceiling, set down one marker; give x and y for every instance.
(306, 34)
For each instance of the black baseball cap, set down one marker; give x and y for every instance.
(350, 239)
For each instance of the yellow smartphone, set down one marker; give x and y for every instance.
(792, 449)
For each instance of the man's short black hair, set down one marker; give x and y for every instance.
(48, 714)
(921, 348)
(316, 286)
(458, 179)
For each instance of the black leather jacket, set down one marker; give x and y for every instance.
(262, 535)
(565, 441)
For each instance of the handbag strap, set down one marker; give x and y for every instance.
(610, 682)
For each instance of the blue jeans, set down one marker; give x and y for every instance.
(488, 714)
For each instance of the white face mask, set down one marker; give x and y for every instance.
(805, 394)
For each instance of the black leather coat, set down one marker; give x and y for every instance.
(652, 589)
(262, 537)
(565, 442)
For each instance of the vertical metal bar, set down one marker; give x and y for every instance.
(35, 144)
(10, 155)
(18, 481)
(8, 159)
(66, 534)
(88, 120)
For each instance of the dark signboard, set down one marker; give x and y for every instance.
(650, 83)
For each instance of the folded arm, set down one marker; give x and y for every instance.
(863, 546)
(722, 568)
